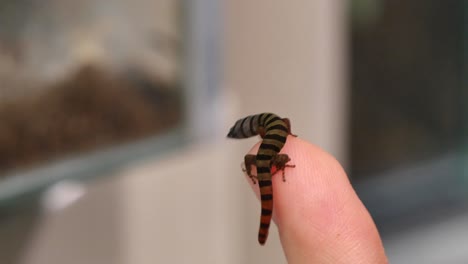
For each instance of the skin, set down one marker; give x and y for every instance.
(319, 216)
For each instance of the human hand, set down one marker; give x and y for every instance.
(319, 216)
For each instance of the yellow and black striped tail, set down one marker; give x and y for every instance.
(266, 197)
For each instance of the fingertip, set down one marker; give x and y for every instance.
(317, 212)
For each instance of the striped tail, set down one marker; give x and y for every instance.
(266, 197)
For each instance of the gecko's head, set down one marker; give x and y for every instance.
(232, 133)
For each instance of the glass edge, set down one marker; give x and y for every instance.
(87, 166)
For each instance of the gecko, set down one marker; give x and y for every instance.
(274, 131)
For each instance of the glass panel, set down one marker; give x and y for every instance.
(91, 85)
(81, 76)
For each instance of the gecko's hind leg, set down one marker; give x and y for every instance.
(280, 162)
(249, 161)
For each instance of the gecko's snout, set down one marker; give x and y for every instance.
(231, 133)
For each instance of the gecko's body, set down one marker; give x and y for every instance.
(274, 132)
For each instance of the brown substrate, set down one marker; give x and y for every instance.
(90, 109)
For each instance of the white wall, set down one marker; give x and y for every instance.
(288, 57)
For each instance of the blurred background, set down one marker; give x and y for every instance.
(113, 116)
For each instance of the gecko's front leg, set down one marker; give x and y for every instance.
(279, 161)
(249, 161)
